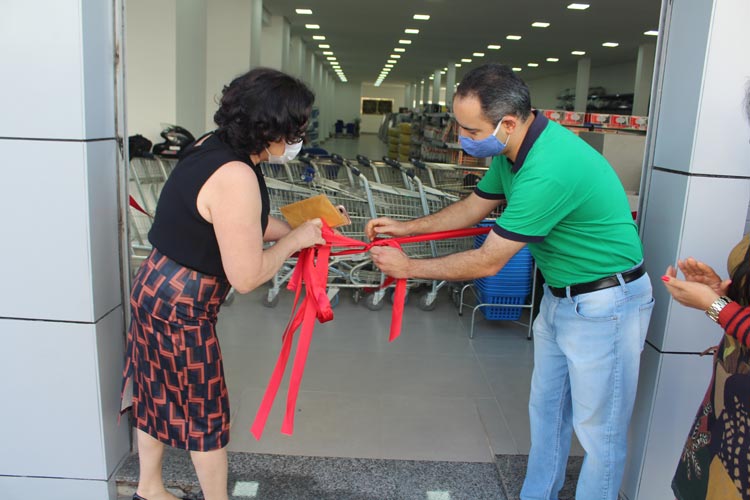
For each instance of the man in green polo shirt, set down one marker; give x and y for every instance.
(566, 203)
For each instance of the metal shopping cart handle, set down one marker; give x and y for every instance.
(305, 158)
(418, 163)
(363, 160)
(337, 159)
(392, 163)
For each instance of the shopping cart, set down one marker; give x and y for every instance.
(382, 172)
(457, 179)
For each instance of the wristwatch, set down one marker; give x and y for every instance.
(715, 308)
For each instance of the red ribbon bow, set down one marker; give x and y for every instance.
(312, 272)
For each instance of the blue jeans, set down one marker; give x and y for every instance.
(587, 352)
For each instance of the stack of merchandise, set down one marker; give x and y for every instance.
(404, 147)
(510, 286)
(393, 142)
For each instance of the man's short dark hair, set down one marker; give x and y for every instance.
(499, 90)
(260, 107)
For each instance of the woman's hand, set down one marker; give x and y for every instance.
(308, 234)
(689, 293)
(700, 272)
(385, 225)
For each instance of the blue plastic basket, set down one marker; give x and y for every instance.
(502, 313)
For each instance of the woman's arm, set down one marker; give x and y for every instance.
(232, 204)
(735, 320)
(276, 229)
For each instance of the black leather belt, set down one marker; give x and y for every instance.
(600, 284)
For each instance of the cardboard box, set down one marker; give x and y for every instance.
(597, 119)
(573, 118)
(619, 121)
(554, 115)
(639, 122)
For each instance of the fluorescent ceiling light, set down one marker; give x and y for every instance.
(493, 47)
(319, 37)
(478, 54)
(458, 65)
(324, 46)
(533, 65)
(389, 65)
(422, 17)
(445, 69)
(395, 56)
(411, 31)
(432, 77)
(651, 33)
(610, 44)
(517, 69)
(466, 60)
(328, 53)
(578, 6)
(405, 42)
(552, 59)
(578, 53)
(312, 26)
(399, 49)
(392, 61)
(513, 37)
(331, 58)
(306, 12)
(540, 24)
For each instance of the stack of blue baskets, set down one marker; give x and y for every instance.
(511, 285)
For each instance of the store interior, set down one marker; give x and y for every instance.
(442, 411)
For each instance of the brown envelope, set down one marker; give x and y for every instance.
(316, 207)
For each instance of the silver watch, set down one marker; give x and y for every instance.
(715, 308)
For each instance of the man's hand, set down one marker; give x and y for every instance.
(700, 272)
(385, 225)
(392, 261)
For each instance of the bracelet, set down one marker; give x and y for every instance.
(715, 308)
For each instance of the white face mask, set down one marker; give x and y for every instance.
(290, 152)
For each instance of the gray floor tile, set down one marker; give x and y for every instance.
(496, 426)
(513, 472)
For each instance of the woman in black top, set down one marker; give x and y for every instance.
(208, 233)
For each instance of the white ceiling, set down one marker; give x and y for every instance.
(362, 33)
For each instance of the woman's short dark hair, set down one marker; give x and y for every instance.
(260, 107)
(499, 90)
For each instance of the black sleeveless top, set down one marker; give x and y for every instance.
(179, 231)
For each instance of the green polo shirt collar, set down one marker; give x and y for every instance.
(535, 130)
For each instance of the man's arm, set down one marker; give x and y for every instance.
(463, 213)
(484, 261)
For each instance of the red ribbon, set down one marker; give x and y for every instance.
(135, 205)
(312, 272)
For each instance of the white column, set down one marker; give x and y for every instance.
(695, 197)
(582, 84)
(151, 80)
(191, 64)
(256, 31)
(228, 47)
(436, 87)
(407, 96)
(450, 85)
(303, 63)
(415, 96)
(644, 73)
(425, 92)
(61, 309)
(418, 94)
(312, 68)
(275, 44)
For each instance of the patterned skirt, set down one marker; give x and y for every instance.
(715, 463)
(173, 362)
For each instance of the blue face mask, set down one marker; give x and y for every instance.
(491, 146)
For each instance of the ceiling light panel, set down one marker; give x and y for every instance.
(578, 6)
(540, 24)
(319, 37)
(312, 26)
(578, 53)
(533, 65)
(399, 49)
(411, 31)
(324, 46)
(494, 47)
(552, 59)
(651, 33)
(466, 60)
(405, 42)
(513, 37)
(610, 44)
(478, 54)
(306, 12)
(422, 17)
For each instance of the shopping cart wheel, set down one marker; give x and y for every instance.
(357, 296)
(269, 301)
(372, 305)
(427, 303)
